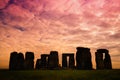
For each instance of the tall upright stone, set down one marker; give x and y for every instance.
(16, 61)
(64, 61)
(44, 61)
(103, 62)
(20, 63)
(38, 64)
(83, 58)
(68, 63)
(99, 61)
(29, 61)
(71, 61)
(53, 61)
(107, 62)
(13, 61)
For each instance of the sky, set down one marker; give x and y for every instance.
(41, 26)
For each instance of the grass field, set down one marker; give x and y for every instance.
(60, 75)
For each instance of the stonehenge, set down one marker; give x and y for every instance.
(38, 64)
(44, 60)
(103, 60)
(16, 61)
(20, 61)
(29, 61)
(68, 63)
(81, 60)
(53, 60)
(13, 61)
(48, 61)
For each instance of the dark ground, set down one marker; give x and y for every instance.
(60, 75)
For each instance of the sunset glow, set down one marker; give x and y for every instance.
(44, 25)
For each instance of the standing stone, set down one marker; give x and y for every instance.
(70, 63)
(101, 62)
(13, 61)
(64, 61)
(29, 60)
(44, 61)
(38, 64)
(107, 62)
(20, 63)
(16, 61)
(53, 61)
(83, 58)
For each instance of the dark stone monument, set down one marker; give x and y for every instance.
(13, 61)
(68, 63)
(83, 58)
(44, 61)
(103, 60)
(29, 61)
(107, 62)
(38, 64)
(20, 61)
(53, 61)
(16, 61)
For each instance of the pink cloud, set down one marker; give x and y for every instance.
(36, 24)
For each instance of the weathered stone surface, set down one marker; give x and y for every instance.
(29, 61)
(83, 58)
(70, 63)
(101, 62)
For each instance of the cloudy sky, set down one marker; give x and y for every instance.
(44, 25)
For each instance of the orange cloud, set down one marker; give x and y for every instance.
(44, 25)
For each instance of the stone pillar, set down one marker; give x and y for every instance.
(38, 64)
(16, 61)
(83, 58)
(53, 61)
(101, 62)
(64, 61)
(70, 63)
(29, 60)
(20, 63)
(13, 61)
(107, 62)
(44, 61)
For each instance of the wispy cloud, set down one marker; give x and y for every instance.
(44, 25)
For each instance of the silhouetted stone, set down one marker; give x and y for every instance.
(99, 61)
(29, 60)
(107, 62)
(44, 61)
(38, 64)
(13, 61)
(83, 58)
(64, 61)
(53, 61)
(103, 62)
(20, 63)
(70, 63)
(16, 61)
